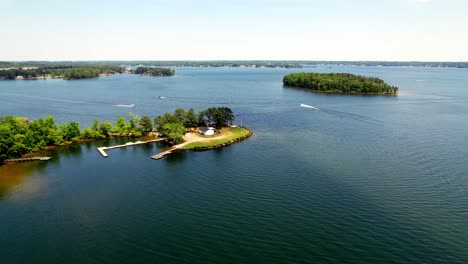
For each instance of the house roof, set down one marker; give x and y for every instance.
(205, 129)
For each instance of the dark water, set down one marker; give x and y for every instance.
(363, 180)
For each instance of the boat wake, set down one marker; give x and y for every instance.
(344, 114)
(309, 106)
(124, 105)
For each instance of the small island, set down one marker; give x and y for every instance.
(151, 71)
(345, 83)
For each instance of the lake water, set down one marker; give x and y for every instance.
(365, 179)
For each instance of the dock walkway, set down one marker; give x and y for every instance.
(164, 153)
(27, 159)
(102, 150)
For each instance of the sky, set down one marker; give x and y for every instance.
(378, 30)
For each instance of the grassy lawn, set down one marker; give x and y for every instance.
(226, 135)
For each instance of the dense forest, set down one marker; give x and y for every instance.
(339, 83)
(154, 71)
(19, 136)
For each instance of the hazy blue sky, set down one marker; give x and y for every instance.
(213, 30)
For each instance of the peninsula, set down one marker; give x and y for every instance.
(207, 129)
(339, 83)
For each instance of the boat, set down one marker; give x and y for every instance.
(162, 97)
(309, 106)
(123, 105)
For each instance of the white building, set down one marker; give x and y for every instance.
(207, 131)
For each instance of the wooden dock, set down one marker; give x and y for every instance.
(164, 153)
(102, 150)
(27, 159)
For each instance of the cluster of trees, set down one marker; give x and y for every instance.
(65, 72)
(154, 71)
(174, 126)
(80, 73)
(18, 135)
(339, 82)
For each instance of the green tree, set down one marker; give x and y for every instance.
(174, 132)
(191, 118)
(120, 126)
(146, 125)
(71, 132)
(95, 126)
(105, 128)
(202, 118)
(180, 115)
(87, 133)
(160, 121)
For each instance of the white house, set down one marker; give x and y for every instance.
(207, 131)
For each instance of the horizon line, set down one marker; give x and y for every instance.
(228, 60)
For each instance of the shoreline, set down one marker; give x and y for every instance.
(211, 143)
(343, 93)
(54, 147)
(218, 141)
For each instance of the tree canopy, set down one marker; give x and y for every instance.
(215, 116)
(64, 72)
(339, 83)
(19, 135)
(154, 71)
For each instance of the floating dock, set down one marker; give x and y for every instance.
(102, 150)
(27, 159)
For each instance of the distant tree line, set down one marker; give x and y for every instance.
(64, 72)
(19, 136)
(231, 63)
(154, 71)
(339, 82)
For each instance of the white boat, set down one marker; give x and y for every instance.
(123, 105)
(309, 106)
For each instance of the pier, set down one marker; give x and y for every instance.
(164, 153)
(102, 150)
(27, 159)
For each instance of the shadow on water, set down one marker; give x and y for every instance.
(15, 174)
(176, 157)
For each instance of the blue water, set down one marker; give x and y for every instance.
(365, 179)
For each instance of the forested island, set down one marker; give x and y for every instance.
(339, 83)
(19, 136)
(151, 71)
(75, 72)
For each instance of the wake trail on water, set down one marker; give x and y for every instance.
(220, 101)
(356, 117)
(68, 101)
(54, 99)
